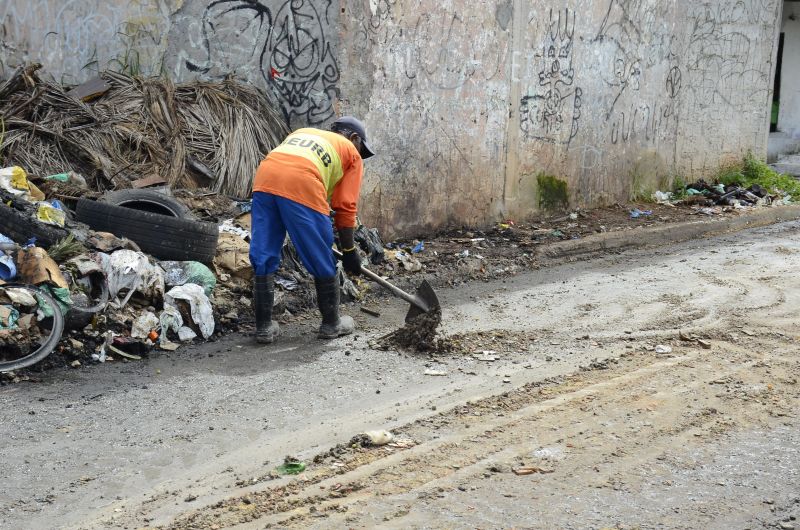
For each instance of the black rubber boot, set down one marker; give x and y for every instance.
(328, 301)
(263, 300)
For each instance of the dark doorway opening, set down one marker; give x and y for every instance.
(776, 92)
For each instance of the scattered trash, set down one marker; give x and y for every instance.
(419, 247)
(662, 197)
(8, 270)
(486, 356)
(378, 438)
(291, 467)
(49, 214)
(435, 372)
(200, 311)
(288, 284)
(186, 334)
(661, 349)
(410, 263)
(178, 273)
(636, 213)
(369, 311)
(143, 325)
(530, 470)
(370, 242)
(233, 257)
(129, 272)
(35, 267)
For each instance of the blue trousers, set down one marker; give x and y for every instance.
(310, 231)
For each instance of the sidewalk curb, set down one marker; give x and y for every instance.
(665, 235)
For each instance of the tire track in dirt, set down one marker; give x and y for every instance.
(618, 417)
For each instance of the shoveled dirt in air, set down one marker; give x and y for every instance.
(418, 334)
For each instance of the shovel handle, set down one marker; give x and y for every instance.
(413, 300)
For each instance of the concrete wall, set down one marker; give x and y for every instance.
(467, 102)
(789, 117)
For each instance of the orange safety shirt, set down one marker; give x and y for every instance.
(316, 168)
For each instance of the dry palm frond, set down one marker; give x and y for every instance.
(197, 134)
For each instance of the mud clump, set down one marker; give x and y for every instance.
(418, 334)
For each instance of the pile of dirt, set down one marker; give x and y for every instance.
(418, 334)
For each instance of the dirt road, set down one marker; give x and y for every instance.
(580, 421)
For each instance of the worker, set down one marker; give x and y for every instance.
(295, 188)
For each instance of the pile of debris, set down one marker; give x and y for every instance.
(703, 194)
(89, 225)
(122, 132)
(121, 287)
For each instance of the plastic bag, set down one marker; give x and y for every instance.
(183, 272)
(170, 320)
(8, 317)
(50, 214)
(62, 297)
(144, 324)
(71, 177)
(128, 271)
(8, 270)
(199, 306)
(15, 181)
(186, 334)
(370, 242)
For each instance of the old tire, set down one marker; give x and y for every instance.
(166, 238)
(49, 344)
(20, 227)
(148, 201)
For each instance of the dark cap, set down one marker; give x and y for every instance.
(357, 127)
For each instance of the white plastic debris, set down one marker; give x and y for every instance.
(662, 196)
(20, 296)
(229, 226)
(199, 304)
(144, 324)
(186, 334)
(128, 272)
(379, 437)
(14, 180)
(661, 349)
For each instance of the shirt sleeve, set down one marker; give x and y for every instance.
(344, 200)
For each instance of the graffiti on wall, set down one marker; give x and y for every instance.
(552, 114)
(443, 56)
(73, 37)
(282, 45)
(725, 66)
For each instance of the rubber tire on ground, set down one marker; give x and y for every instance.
(20, 228)
(148, 201)
(48, 345)
(166, 238)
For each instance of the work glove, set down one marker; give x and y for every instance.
(351, 261)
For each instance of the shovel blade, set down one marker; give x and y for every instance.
(426, 301)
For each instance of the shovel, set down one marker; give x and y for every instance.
(424, 300)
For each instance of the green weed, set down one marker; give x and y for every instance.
(755, 171)
(553, 192)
